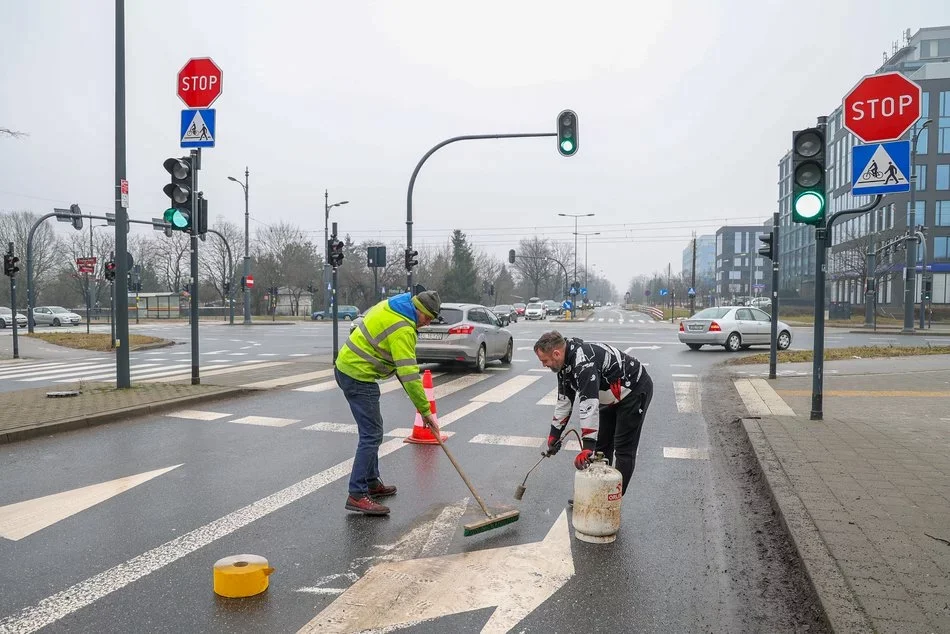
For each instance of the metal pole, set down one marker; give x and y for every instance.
(923, 274)
(692, 282)
(773, 352)
(869, 287)
(817, 378)
(112, 314)
(195, 206)
(16, 340)
(335, 307)
(415, 173)
(573, 287)
(910, 262)
(230, 274)
(326, 251)
(122, 369)
(30, 291)
(247, 250)
(92, 254)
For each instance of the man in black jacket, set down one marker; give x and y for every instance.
(613, 391)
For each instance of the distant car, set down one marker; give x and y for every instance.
(346, 313)
(55, 316)
(506, 310)
(470, 333)
(534, 311)
(551, 307)
(6, 318)
(519, 307)
(762, 302)
(734, 328)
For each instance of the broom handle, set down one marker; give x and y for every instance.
(438, 436)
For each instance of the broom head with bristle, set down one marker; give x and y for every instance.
(491, 522)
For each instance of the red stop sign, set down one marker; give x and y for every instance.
(199, 82)
(249, 281)
(882, 107)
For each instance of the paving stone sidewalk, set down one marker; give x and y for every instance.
(865, 495)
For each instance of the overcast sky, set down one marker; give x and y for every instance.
(685, 108)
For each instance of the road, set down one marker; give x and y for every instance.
(266, 474)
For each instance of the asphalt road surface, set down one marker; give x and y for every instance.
(698, 550)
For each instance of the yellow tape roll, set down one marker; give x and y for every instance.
(241, 576)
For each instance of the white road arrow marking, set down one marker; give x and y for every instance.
(515, 580)
(25, 518)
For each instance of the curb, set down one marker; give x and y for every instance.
(99, 418)
(841, 607)
(895, 331)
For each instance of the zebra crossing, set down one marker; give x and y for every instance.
(147, 369)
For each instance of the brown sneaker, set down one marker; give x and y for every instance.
(381, 490)
(366, 505)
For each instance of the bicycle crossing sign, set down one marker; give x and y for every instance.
(197, 128)
(880, 168)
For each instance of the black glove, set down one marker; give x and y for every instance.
(554, 440)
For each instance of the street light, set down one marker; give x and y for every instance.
(587, 235)
(247, 254)
(326, 244)
(574, 295)
(910, 279)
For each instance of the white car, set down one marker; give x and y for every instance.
(6, 318)
(55, 316)
(534, 311)
(734, 328)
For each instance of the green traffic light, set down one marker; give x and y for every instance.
(567, 146)
(176, 218)
(809, 205)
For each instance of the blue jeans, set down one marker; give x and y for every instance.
(364, 403)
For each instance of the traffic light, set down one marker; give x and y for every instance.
(10, 267)
(809, 200)
(336, 252)
(179, 191)
(491, 290)
(110, 269)
(227, 289)
(567, 133)
(411, 259)
(926, 292)
(310, 288)
(766, 249)
(511, 256)
(77, 216)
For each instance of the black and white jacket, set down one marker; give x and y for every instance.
(597, 375)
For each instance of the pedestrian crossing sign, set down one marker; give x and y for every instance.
(880, 168)
(197, 128)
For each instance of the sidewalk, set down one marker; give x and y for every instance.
(29, 413)
(864, 493)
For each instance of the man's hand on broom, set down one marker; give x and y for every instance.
(430, 422)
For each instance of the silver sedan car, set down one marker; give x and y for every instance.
(734, 328)
(55, 316)
(6, 318)
(470, 333)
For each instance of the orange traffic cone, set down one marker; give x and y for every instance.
(422, 435)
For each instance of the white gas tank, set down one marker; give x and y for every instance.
(598, 492)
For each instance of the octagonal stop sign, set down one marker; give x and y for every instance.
(199, 82)
(882, 107)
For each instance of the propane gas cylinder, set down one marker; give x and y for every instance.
(598, 492)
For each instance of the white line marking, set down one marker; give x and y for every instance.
(687, 396)
(87, 592)
(549, 399)
(342, 428)
(520, 441)
(507, 389)
(193, 414)
(685, 376)
(266, 421)
(287, 380)
(538, 370)
(686, 453)
(244, 365)
(753, 402)
(300, 354)
(465, 410)
(681, 365)
(453, 386)
(317, 387)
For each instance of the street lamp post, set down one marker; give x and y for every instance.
(247, 254)
(574, 294)
(587, 235)
(326, 246)
(910, 274)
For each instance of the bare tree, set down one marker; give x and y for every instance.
(532, 261)
(172, 259)
(15, 227)
(13, 134)
(848, 259)
(214, 262)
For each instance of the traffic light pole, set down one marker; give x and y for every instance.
(822, 242)
(196, 205)
(415, 173)
(773, 349)
(16, 341)
(121, 338)
(336, 311)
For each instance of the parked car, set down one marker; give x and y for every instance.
(734, 328)
(464, 332)
(6, 318)
(519, 307)
(506, 310)
(55, 316)
(534, 311)
(764, 303)
(346, 313)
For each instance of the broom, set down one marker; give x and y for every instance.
(492, 521)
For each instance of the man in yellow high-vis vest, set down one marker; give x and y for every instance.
(383, 344)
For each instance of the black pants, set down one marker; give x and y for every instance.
(620, 426)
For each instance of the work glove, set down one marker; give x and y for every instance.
(583, 459)
(554, 441)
